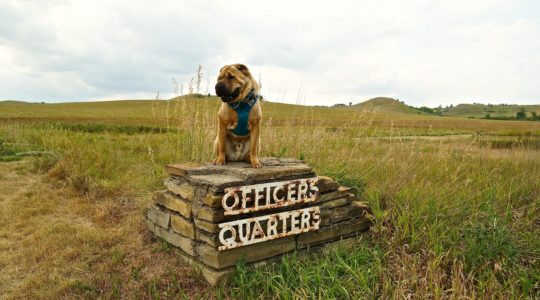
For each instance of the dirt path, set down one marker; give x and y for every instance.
(55, 244)
(420, 137)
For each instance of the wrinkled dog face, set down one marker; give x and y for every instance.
(232, 81)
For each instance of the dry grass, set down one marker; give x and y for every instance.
(454, 217)
(56, 244)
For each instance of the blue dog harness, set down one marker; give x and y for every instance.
(242, 109)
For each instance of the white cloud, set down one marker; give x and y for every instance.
(313, 52)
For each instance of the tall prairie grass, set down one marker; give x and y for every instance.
(453, 217)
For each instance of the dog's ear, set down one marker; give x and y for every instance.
(242, 68)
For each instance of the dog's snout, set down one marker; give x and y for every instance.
(221, 89)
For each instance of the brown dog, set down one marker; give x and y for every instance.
(239, 117)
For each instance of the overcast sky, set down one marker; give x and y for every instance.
(424, 52)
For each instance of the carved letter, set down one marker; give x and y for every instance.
(302, 190)
(258, 197)
(230, 241)
(290, 192)
(245, 197)
(313, 189)
(227, 196)
(244, 236)
(272, 226)
(276, 199)
(305, 220)
(294, 221)
(316, 218)
(257, 230)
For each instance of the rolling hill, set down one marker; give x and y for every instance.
(150, 111)
(476, 110)
(481, 110)
(386, 105)
(145, 111)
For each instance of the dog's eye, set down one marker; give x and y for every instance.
(230, 76)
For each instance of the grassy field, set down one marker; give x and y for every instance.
(456, 202)
(386, 105)
(476, 111)
(481, 110)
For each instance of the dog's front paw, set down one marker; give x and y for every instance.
(220, 160)
(255, 163)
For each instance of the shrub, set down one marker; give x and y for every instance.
(521, 115)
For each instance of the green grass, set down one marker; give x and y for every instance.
(387, 105)
(346, 272)
(480, 110)
(456, 211)
(7, 152)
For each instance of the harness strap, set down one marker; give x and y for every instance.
(242, 109)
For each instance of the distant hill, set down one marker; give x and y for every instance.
(12, 102)
(150, 112)
(494, 111)
(387, 105)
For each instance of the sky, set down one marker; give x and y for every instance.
(423, 52)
